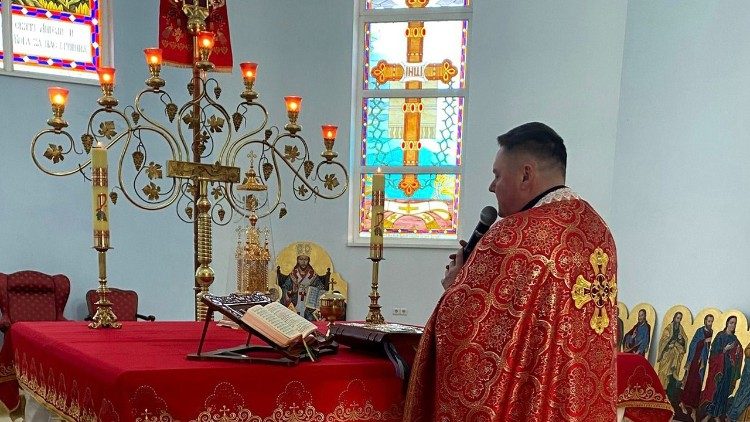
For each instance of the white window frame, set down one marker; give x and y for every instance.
(363, 16)
(106, 48)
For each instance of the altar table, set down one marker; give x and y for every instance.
(140, 373)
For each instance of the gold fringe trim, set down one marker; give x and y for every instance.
(646, 404)
(39, 399)
(219, 69)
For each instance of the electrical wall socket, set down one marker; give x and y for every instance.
(399, 311)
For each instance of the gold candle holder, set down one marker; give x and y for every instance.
(58, 96)
(249, 72)
(293, 106)
(329, 137)
(104, 316)
(373, 315)
(154, 59)
(376, 243)
(204, 43)
(107, 82)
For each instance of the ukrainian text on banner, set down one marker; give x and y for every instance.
(59, 37)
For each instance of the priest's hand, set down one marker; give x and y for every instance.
(452, 269)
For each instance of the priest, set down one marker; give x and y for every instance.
(526, 329)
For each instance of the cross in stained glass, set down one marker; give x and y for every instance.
(407, 208)
(414, 72)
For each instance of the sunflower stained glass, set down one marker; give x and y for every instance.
(60, 37)
(429, 212)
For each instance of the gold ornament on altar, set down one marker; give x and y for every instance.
(252, 259)
(199, 142)
(332, 305)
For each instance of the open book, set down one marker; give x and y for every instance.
(278, 323)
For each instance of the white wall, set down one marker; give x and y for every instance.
(555, 62)
(679, 209)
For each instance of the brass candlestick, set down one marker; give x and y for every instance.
(373, 315)
(104, 316)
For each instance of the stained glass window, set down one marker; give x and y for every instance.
(439, 141)
(57, 37)
(441, 63)
(401, 4)
(2, 60)
(411, 96)
(429, 212)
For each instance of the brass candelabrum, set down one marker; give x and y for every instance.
(200, 130)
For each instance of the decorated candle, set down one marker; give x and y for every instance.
(376, 217)
(100, 208)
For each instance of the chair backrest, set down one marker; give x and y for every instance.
(33, 296)
(124, 303)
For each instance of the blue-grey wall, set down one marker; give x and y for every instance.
(679, 211)
(534, 60)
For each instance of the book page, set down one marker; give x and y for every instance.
(297, 323)
(270, 325)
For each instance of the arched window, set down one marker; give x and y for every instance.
(409, 111)
(54, 39)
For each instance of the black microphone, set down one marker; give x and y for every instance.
(486, 218)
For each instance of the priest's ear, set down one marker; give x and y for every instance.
(528, 171)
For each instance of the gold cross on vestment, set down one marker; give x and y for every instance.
(598, 291)
(413, 73)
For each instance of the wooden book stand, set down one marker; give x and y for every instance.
(234, 307)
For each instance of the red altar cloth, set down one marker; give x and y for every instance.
(639, 390)
(140, 373)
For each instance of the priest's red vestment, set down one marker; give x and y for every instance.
(527, 332)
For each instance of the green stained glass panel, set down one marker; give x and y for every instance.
(430, 212)
(440, 131)
(387, 42)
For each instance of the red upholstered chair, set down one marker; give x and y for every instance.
(32, 296)
(124, 304)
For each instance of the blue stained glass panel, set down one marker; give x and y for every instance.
(440, 132)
